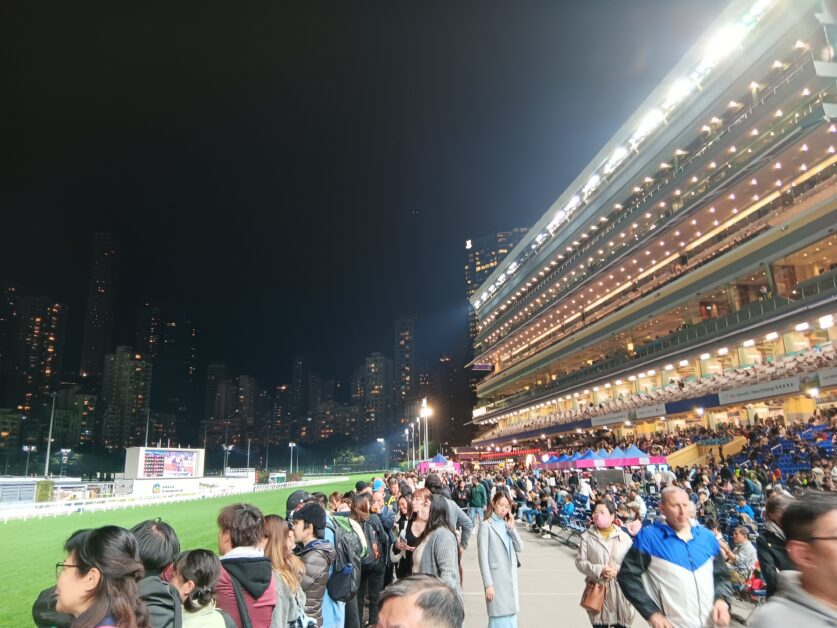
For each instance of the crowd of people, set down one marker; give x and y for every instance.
(674, 545)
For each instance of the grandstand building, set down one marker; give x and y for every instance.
(688, 275)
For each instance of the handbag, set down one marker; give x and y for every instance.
(593, 597)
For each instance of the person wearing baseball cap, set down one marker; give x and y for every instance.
(317, 555)
(294, 500)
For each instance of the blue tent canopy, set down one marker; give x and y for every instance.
(616, 454)
(603, 453)
(635, 452)
(574, 457)
(590, 455)
(439, 459)
(563, 458)
(554, 458)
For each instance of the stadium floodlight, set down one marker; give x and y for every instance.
(679, 91)
(801, 327)
(748, 343)
(826, 322)
(771, 336)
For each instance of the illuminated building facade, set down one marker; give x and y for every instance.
(378, 395)
(124, 399)
(405, 369)
(695, 249)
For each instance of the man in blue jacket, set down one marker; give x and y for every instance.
(675, 574)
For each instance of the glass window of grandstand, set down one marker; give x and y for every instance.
(753, 353)
(715, 363)
(648, 380)
(797, 275)
(602, 393)
(680, 371)
(623, 388)
(795, 342)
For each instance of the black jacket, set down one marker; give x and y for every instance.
(773, 558)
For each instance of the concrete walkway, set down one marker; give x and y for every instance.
(550, 586)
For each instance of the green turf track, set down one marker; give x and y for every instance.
(30, 549)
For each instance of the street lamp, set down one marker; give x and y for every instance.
(426, 412)
(49, 436)
(29, 449)
(406, 443)
(418, 440)
(227, 450)
(291, 445)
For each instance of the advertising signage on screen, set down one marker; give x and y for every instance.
(165, 463)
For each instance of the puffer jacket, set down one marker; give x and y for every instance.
(594, 554)
(317, 556)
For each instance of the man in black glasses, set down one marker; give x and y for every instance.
(807, 597)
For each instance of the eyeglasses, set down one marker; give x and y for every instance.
(819, 538)
(59, 567)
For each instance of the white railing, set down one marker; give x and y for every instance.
(39, 510)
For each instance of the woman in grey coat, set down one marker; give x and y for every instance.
(498, 545)
(437, 551)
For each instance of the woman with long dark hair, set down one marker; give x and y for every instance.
(402, 553)
(372, 567)
(437, 551)
(195, 574)
(287, 572)
(97, 582)
(498, 545)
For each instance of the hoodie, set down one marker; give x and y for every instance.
(254, 575)
(793, 606)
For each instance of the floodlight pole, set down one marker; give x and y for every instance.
(49, 436)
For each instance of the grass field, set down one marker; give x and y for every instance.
(30, 549)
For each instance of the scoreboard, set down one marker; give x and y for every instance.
(163, 462)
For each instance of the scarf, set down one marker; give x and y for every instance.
(773, 527)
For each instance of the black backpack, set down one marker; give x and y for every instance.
(374, 544)
(345, 577)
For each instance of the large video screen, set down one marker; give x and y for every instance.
(165, 463)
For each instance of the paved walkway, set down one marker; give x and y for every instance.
(550, 586)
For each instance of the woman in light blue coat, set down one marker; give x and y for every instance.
(498, 544)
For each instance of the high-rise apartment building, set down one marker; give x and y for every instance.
(248, 392)
(148, 337)
(8, 322)
(98, 317)
(38, 351)
(377, 396)
(215, 373)
(298, 411)
(405, 368)
(125, 399)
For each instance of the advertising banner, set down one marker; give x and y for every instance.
(608, 419)
(763, 390)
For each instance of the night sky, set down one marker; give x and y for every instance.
(295, 176)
